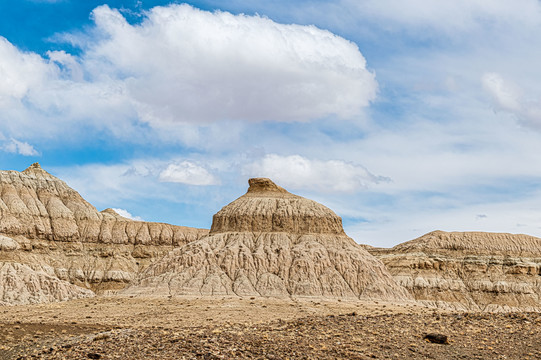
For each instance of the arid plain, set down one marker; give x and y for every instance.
(234, 328)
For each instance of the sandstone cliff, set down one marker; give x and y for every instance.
(49, 227)
(469, 270)
(271, 243)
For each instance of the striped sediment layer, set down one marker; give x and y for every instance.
(469, 270)
(271, 243)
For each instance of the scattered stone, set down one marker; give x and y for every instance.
(437, 338)
(393, 336)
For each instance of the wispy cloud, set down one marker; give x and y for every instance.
(18, 147)
(511, 98)
(187, 172)
(145, 178)
(298, 172)
(125, 213)
(449, 18)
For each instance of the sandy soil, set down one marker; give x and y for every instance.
(249, 328)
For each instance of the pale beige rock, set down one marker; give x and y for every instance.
(8, 244)
(267, 207)
(50, 227)
(21, 285)
(271, 243)
(37, 205)
(469, 270)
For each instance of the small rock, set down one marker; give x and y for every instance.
(437, 338)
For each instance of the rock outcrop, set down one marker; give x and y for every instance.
(49, 227)
(36, 205)
(469, 270)
(21, 285)
(271, 243)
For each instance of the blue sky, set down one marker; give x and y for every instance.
(402, 117)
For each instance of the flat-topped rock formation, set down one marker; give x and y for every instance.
(476, 242)
(47, 225)
(271, 243)
(267, 207)
(469, 270)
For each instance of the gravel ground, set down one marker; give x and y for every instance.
(329, 331)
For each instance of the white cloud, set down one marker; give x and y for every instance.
(150, 178)
(20, 73)
(126, 214)
(298, 172)
(47, 97)
(390, 226)
(184, 64)
(505, 95)
(181, 66)
(189, 173)
(510, 98)
(135, 185)
(451, 158)
(19, 147)
(450, 17)
(73, 69)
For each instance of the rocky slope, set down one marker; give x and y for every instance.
(271, 243)
(469, 270)
(49, 227)
(21, 285)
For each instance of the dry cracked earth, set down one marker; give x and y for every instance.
(227, 328)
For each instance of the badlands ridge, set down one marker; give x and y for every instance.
(55, 246)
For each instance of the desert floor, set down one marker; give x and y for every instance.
(248, 328)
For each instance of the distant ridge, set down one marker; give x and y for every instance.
(469, 270)
(51, 236)
(37, 205)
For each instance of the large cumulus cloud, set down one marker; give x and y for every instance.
(185, 64)
(182, 65)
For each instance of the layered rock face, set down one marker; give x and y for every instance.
(21, 285)
(49, 227)
(37, 205)
(469, 270)
(271, 243)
